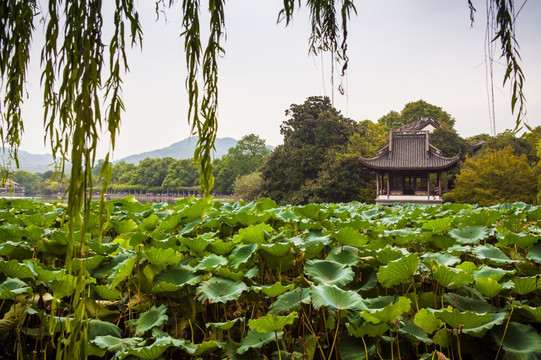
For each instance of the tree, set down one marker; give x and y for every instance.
(415, 111)
(151, 172)
(30, 181)
(368, 140)
(181, 174)
(244, 158)
(122, 173)
(520, 145)
(313, 136)
(247, 186)
(497, 176)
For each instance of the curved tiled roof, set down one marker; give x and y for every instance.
(409, 150)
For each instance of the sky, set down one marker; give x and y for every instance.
(400, 51)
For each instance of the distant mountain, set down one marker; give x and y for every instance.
(34, 163)
(181, 150)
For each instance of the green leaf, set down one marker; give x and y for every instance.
(241, 254)
(149, 223)
(272, 323)
(457, 319)
(535, 254)
(480, 331)
(367, 328)
(526, 285)
(254, 339)
(11, 288)
(290, 300)
(198, 244)
(388, 254)
(101, 328)
(336, 298)
(222, 290)
(398, 270)
(277, 248)
(14, 269)
(107, 293)
(413, 332)
(427, 321)
(254, 234)
(124, 226)
(161, 257)
(155, 317)
(220, 247)
(521, 342)
(273, 290)
(114, 344)
(328, 272)
(441, 258)
(210, 263)
(350, 237)
(532, 313)
(122, 271)
(509, 238)
(224, 325)
(470, 235)
(451, 278)
(388, 313)
(443, 338)
(493, 273)
(488, 286)
(491, 254)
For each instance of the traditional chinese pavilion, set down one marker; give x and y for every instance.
(404, 166)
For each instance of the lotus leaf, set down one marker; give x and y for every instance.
(493, 273)
(161, 257)
(413, 332)
(532, 313)
(525, 285)
(521, 341)
(254, 339)
(346, 255)
(64, 287)
(14, 269)
(427, 321)
(199, 349)
(101, 328)
(272, 323)
(488, 286)
(388, 253)
(367, 328)
(480, 331)
(458, 319)
(310, 211)
(273, 290)
(398, 270)
(216, 290)
(388, 313)
(524, 240)
(11, 288)
(198, 244)
(441, 258)
(254, 234)
(114, 344)
(464, 303)
(124, 226)
(535, 254)
(450, 277)
(442, 338)
(350, 237)
(290, 300)
(438, 226)
(491, 254)
(149, 223)
(241, 254)
(122, 271)
(155, 317)
(277, 248)
(470, 235)
(220, 247)
(336, 298)
(328, 272)
(468, 267)
(210, 263)
(224, 325)
(107, 293)
(178, 276)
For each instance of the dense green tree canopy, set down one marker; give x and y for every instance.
(497, 176)
(415, 111)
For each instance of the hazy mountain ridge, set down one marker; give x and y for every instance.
(34, 163)
(183, 149)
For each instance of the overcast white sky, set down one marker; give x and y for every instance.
(400, 51)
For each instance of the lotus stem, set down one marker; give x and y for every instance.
(315, 336)
(397, 343)
(365, 348)
(335, 336)
(277, 345)
(504, 332)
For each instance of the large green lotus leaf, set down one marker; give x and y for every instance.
(470, 235)
(336, 298)
(521, 342)
(350, 237)
(150, 352)
(427, 321)
(285, 215)
(450, 277)
(464, 303)
(224, 325)
(273, 290)
(178, 275)
(493, 273)
(155, 317)
(388, 253)
(107, 293)
(441, 241)
(241, 254)
(413, 332)
(484, 217)
(198, 244)
(509, 238)
(198, 349)
(254, 234)
(161, 257)
(149, 223)
(535, 253)
(277, 248)
(480, 331)
(391, 221)
(8, 247)
(247, 218)
(254, 339)
(443, 338)
(310, 211)
(188, 228)
(457, 319)
(14, 269)
(290, 300)
(404, 236)
(526, 285)
(11, 288)
(441, 258)
(124, 226)
(210, 263)
(98, 327)
(438, 226)
(398, 270)
(114, 344)
(388, 313)
(346, 255)
(532, 313)
(468, 267)
(367, 328)
(220, 290)
(272, 323)
(328, 272)
(491, 254)
(220, 247)
(64, 287)
(122, 271)
(488, 286)
(315, 239)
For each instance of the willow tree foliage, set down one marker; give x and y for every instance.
(82, 78)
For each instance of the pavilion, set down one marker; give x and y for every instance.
(404, 166)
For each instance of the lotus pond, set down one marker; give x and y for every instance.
(349, 281)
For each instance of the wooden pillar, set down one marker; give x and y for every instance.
(377, 184)
(428, 184)
(388, 184)
(439, 182)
